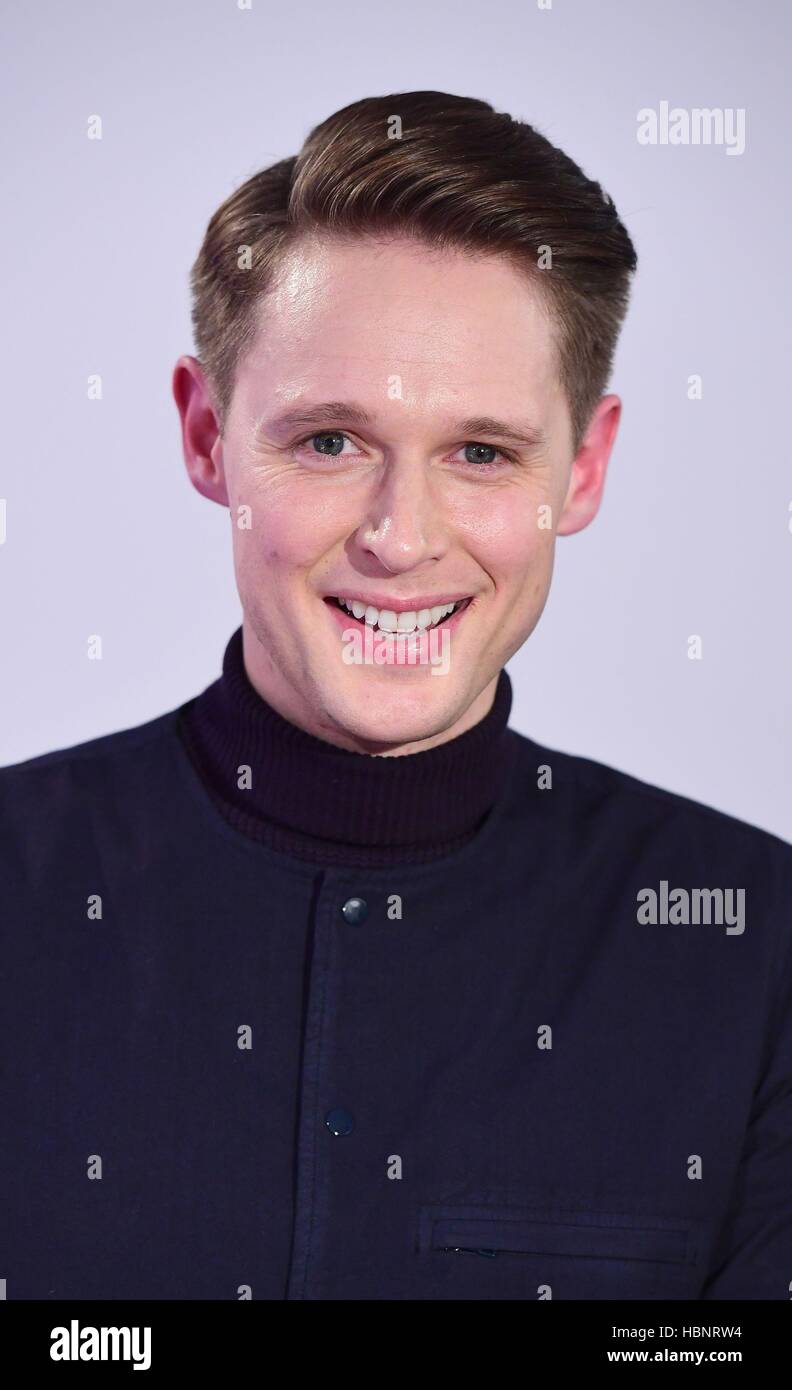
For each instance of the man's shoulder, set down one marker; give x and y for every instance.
(60, 782)
(119, 744)
(586, 787)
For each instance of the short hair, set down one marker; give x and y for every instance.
(452, 172)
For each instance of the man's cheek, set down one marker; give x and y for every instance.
(523, 551)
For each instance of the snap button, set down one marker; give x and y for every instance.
(355, 910)
(339, 1121)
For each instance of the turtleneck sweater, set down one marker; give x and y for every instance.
(307, 797)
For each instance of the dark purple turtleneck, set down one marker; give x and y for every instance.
(332, 806)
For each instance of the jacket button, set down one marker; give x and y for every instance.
(339, 1121)
(355, 910)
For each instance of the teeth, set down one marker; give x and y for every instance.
(389, 621)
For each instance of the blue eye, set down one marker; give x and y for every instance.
(333, 436)
(330, 444)
(486, 448)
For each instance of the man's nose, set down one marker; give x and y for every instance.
(403, 523)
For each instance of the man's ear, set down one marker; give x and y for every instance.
(587, 478)
(201, 439)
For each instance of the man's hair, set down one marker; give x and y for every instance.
(452, 172)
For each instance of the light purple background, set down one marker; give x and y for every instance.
(105, 534)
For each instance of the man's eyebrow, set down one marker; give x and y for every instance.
(320, 414)
(316, 416)
(520, 431)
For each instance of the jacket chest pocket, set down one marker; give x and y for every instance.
(519, 1252)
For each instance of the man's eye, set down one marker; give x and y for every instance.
(327, 442)
(331, 444)
(475, 454)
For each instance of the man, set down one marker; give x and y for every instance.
(328, 984)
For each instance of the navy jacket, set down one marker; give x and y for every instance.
(487, 1077)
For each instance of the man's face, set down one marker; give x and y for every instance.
(406, 510)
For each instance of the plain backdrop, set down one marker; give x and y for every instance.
(104, 533)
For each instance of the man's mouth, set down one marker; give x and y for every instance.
(405, 621)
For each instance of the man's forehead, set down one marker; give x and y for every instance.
(405, 289)
(479, 374)
(390, 354)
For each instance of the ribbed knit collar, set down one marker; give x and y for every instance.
(330, 805)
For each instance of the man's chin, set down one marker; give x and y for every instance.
(381, 711)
